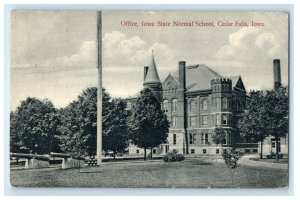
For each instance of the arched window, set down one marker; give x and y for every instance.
(192, 106)
(174, 105)
(204, 104)
(166, 105)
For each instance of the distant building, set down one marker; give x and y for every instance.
(196, 100)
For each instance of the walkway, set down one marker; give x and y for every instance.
(245, 160)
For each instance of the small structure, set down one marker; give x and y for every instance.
(68, 161)
(33, 161)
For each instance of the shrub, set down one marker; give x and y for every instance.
(180, 157)
(173, 156)
(231, 157)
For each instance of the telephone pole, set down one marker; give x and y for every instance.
(99, 90)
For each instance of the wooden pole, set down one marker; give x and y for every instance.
(99, 90)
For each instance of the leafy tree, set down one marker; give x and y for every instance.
(149, 124)
(115, 134)
(277, 108)
(267, 115)
(79, 119)
(34, 127)
(253, 126)
(79, 130)
(219, 136)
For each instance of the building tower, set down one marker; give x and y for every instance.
(151, 78)
(222, 106)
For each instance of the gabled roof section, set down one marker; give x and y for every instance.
(198, 77)
(237, 82)
(152, 75)
(170, 82)
(172, 78)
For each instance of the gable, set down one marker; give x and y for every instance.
(239, 84)
(170, 83)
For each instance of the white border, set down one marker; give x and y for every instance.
(61, 191)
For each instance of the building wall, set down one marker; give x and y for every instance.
(269, 146)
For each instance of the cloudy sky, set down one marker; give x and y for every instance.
(53, 53)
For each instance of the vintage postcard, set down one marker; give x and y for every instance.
(140, 99)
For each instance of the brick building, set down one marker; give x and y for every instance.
(196, 100)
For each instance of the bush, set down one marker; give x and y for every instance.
(173, 156)
(231, 157)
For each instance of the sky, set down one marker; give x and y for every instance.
(54, 54)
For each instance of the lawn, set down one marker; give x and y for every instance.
(187, 174)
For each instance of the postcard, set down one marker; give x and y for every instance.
(149, 99)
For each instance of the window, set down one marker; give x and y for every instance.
(218, 119)
(174, 105)
(204, 119)
(224, 119)
(217, 151)
(192, 106)
(174, 138)
(165, 105)
(137, 151)
(192, 138)
(192, 151)
(204, 151)
(174, 121)
(213, 119)
(218, 102)
(154, 151)
(204, 138)
(223, 88)
(224, 103)
(192, 121)
(229, 103)
(204, 104)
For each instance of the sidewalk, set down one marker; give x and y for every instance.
(245, 160)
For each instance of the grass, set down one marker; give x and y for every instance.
(190, 173)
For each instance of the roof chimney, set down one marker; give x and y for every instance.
(182, 74)
(276, 73)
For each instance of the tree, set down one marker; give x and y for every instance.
(267, 115)
(149, 124)
(277, 108)
(79, 129)
(219, 136)
(34, 127)
(115, 134)
(253, 125)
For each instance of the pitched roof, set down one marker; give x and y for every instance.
(198, 77)
(234, 80)
(152, 75)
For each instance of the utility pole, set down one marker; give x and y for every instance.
(99, 90)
